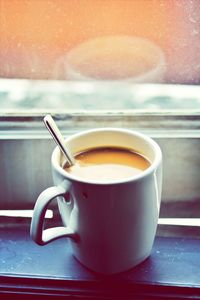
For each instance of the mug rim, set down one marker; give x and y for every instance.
(153, 165)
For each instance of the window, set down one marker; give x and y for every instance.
(96, 63)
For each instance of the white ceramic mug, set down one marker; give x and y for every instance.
(111, 225)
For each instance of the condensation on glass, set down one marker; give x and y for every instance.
(133, 40)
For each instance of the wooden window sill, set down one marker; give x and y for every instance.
(171, 272)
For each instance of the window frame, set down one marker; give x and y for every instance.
(181, 129)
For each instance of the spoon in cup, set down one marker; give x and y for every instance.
(59, 139)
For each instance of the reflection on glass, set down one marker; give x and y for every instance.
(115, 58)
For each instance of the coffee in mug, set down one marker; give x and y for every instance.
(108, 163)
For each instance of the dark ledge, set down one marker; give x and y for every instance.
(30, 271)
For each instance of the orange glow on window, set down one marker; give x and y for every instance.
(43, 30)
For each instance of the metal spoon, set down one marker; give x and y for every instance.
(56, 134)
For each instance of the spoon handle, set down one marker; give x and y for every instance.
(56, 134)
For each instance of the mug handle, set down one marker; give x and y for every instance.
(40, 236)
